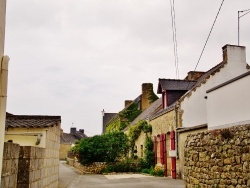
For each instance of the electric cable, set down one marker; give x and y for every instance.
(209, 35)
(174, 38)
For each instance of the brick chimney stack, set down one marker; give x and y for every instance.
(72, 130)
(194, 75)
(81, 131)
(147, 90)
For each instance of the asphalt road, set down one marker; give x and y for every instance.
(69, 178)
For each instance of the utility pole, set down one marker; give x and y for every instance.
(239, 16)
(4, 60)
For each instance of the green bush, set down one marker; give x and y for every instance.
(102, 148)
(123, 166)
(157, 171)
(146, 171)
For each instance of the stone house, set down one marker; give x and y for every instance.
(165, 122)
(106, 117)
(196, 109)
(67, 140)
(194, 103)
(39, 139)
(145, 115)
(132, 109)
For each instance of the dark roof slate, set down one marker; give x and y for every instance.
(173, 84)
(28, 121)
(148, 112)
(70, 138)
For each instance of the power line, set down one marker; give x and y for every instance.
(174, 38)
(209, 35)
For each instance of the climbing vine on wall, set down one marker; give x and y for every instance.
(114, 125)
(152, 97)
(135, 131)
(124, 118)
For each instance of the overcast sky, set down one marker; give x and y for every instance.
(74, 58)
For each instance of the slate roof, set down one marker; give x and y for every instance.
(70, 138)
(163, 111)
(148, 112)
(173, 84)
(30, 121)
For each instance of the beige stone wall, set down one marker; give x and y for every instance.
(218, 158)
(182, 137)
(31, 172)
(38, 166)
(63, 152)
(51, 163)
(163, 125)
(10, 165)
(140, 145)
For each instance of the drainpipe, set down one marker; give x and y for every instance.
(3, 99)
(176, 127)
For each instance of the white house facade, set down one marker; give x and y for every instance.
(228, 104)
(194, 103)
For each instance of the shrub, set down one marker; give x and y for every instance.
(102, 148)
(157, 171)
(123, 166)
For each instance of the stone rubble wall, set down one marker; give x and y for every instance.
(10, 165)
(218, 158)
(94, 168)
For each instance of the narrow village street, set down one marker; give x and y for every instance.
(68, 178)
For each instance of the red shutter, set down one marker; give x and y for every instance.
(173, 159)
(164, 148)
(160, 148)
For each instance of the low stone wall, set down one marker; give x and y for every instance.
(94, 168)
(10, 165)
(218, 158)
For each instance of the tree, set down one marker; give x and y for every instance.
(102, 148)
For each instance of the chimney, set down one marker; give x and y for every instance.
(235, 58)
(193, 75)
(81, 131)
(61, 132)
(72, 130)
(128, 102)
(147, 90)
(232, 53)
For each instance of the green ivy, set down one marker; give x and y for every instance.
(135, 131)
(114, 125)
(124, 118)
(152, 97)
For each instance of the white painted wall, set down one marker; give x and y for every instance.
(17, 135)
(195, 106)
(229, 105)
